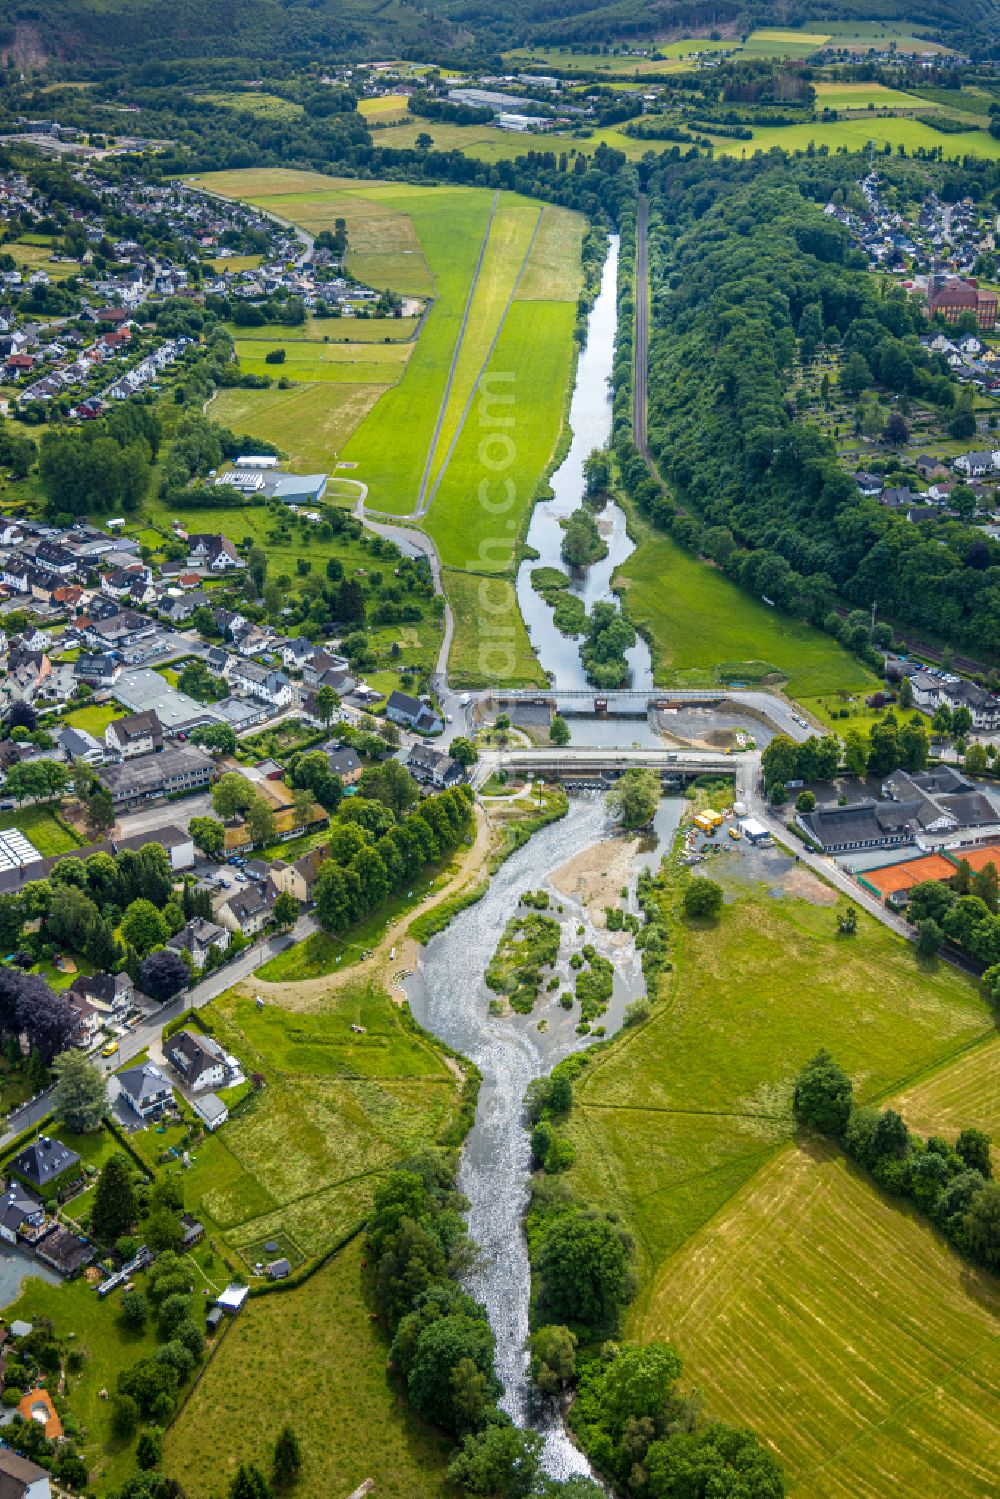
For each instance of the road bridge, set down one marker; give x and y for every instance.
(586, 763)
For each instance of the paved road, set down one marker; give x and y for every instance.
(149, 1031)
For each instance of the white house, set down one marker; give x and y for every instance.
(257, 681)
(977, 465)
(197, 1059)
(145, 1089)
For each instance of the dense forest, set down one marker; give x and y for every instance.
(123, 30)
(746, 267)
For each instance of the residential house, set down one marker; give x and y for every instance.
(145, 1090)
(89, 1019)
(321, 662)
(135, 734)
(182, 768)
(413, 714)
(216, 554)
(298, 878)
(295, 653)
(125, 631)
(21, 1479)
(976, 465)
(113, 994)
(198, 1060)
(78, 744)
(249, 910)
(260, 682)
(45, 1165)
(870, 485)
(344, 763)
(97, 671)
(196, 937)
(19, 1208)
(432, 766)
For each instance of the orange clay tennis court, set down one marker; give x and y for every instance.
(978, 858)
(895, 877)
(892, 878)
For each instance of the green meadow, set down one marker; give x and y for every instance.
(703, 628)
(337, 1109)
(312, 1357)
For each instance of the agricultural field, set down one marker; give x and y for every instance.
(703, 628)
(622, 65)
(298, 1357)
(964, 1094)
(310, 422)
(842, 96)
(859, 36)
(348, 330)
(536, 346)
(385, 109)
(673, 1118)
(359, 364)
(485, 608)
(505, 276)
(856, 134)
(773, 41)
(832, 1320)
(337, 1109)
(30, 256)
(787, 1282)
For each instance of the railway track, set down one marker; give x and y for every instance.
(640, 353)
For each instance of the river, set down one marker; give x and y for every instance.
(448, 996)
(590, 421)
(447, 993)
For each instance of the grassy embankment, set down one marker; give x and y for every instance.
(784, 1279)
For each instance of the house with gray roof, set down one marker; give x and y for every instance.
(145, 1089)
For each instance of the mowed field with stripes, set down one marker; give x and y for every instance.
(808, 1305)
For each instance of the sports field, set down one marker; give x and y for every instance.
(703, 628)
(314, 1358)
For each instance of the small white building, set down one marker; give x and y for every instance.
(210, 1110)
